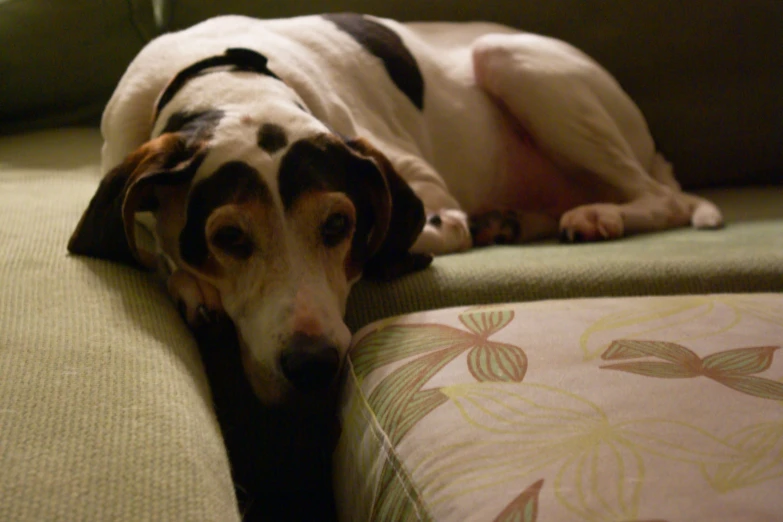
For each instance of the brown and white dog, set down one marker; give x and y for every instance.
(281, 159)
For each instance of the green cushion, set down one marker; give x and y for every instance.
(706, 74)
(105, 409)
(746, 256)
(60, 59)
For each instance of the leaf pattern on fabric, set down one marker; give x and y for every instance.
(496, 362)
(397, 497)
(397, 342)
(664, 316)
(742, 361)
(500, 435)
(600, 482)
(731, 368)
(758, 458)
(531, 427)
(598, 463)
(524, 508)
(486, 323)
(672, 352)
(653, 315)
(676, 440)
(756, 386)
(400, 401)
(654, 369)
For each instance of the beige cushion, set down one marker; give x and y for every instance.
(105, 412)
(656, 408)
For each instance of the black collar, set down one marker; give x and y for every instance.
(239, 58)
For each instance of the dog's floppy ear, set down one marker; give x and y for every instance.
(399, 219)
(106, 229)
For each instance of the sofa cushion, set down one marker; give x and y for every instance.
(60, 59)
(704, 73)
(745, 256)
(105, 413)
(654, 408)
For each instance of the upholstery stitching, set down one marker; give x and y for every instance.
(411, 492)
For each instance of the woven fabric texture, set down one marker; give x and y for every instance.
(105, 413)
(745, 256)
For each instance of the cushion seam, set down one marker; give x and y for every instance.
(410, 490)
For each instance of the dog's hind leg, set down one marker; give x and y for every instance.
(581, 118)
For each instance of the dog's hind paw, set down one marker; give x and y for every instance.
(594, 222)
(706, 216)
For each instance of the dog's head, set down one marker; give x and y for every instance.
(257, 197)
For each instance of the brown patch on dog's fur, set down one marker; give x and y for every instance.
(106, 229)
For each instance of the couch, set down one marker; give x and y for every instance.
(631, 380)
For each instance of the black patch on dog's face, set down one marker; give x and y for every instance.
(311, 165)
(384, 43)
(233, 182)
(271, 137)
(326, 164)
(195, 126)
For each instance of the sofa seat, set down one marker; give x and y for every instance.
(642, 408)
(105, 410)
(745, 256)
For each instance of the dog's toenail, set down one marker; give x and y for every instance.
(578, 237)
(435, 220)
(500, 239)
(564, 236)
(205, 313)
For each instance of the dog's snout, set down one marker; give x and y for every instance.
(310, 363)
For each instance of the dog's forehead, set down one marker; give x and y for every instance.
(261, 137)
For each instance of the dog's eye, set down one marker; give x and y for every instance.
(233, 241)
(336, 228)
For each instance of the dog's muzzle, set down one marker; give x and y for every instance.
(310, 364)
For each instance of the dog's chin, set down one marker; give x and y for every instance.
(274, 392)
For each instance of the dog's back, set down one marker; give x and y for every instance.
(325, 60)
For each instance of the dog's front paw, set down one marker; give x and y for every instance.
(198, 302)
(591, 223)
(445, 232)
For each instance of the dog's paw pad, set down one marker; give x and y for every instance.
(495, 228)
(591, 223)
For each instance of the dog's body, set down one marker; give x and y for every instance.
(357, 127)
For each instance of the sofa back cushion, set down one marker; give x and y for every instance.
(60, 59)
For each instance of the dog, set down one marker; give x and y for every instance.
(277, 161)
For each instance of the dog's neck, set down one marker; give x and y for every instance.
(237, 59)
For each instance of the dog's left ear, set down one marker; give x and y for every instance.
(399, 219)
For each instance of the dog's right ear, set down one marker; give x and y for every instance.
(106, 229)
(400, 215)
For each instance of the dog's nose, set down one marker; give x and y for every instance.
(310, 363)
